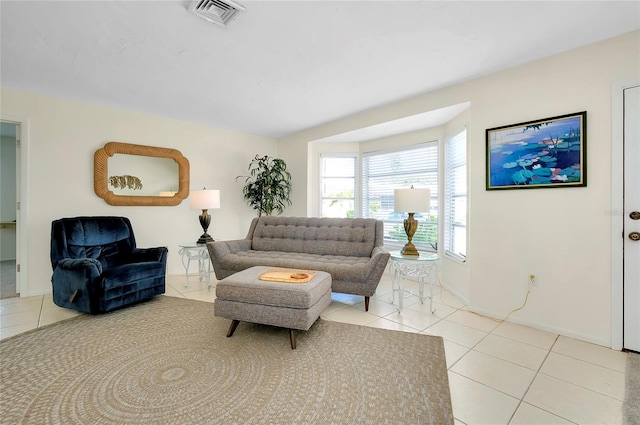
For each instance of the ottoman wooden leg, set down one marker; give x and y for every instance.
(232, 328)
(292, 337)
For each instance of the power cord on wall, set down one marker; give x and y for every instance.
(524, 303)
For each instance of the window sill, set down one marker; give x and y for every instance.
(455, 257)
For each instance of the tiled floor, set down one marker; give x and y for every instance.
(499, 373)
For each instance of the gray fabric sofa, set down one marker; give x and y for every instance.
(349, 249)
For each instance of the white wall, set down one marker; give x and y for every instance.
(63, 136)
(561, 235)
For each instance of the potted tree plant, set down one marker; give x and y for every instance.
(268, 185)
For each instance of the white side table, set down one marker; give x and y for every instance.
(421, 268)
(198, 252)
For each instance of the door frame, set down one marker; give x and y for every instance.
(22, 222)
(617, 211)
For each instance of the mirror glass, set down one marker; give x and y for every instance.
(128, 174)
(142, 175)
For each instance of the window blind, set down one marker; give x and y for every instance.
(382, 172)
(455, 196)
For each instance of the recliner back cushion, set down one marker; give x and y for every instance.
(107, 239)
(336, 236)
(109, 254)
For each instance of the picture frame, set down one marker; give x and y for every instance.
(545, 153)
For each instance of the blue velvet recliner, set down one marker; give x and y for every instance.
(97, 267)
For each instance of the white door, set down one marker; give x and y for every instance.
(631, 219)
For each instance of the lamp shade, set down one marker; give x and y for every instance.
(411, 200)
(204, 199)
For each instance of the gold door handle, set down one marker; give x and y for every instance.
(634, 215)
(634, 236)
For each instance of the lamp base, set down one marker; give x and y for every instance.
(204, 238)
(205, 220)
(410, 250)
(410, 227)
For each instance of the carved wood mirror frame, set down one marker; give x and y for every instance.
(100, 171)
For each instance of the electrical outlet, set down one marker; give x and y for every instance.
(532, 279)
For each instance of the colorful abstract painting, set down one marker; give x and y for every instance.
(550, 152)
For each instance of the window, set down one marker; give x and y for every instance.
(382, 172)
(337, 186)
(455, 196)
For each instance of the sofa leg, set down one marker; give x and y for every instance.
(292, 338)
(232, 328)
(366, 303)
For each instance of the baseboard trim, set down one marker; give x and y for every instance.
(455, 293)
(544, 327)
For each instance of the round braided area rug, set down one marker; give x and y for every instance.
(168, 361)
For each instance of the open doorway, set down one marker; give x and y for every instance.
(8, 211)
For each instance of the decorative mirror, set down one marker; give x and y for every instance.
(128, 174)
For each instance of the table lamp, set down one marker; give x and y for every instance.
(411, 201)
(204, 200)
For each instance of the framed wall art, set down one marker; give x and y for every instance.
(544, 153)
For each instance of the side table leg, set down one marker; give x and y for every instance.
(208, 272)
(184, 254)
(431, 285)
(421, 276)
(200, 269)
(401, 269)
(393, 268)
(396, 285)
(186, 271)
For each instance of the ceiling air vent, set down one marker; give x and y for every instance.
(220, 12)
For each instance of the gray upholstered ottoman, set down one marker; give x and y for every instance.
(244, 297)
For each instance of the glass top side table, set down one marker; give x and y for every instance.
(195, 251)
(422, 267)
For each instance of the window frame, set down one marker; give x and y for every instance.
(321, 180)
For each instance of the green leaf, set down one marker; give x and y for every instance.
(268, 187)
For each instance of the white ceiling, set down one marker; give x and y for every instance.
(282, 66)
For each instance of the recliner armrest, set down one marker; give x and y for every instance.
(142, 255)
(91, 265)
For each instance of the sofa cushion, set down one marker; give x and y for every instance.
(321, 236)
(339, 266)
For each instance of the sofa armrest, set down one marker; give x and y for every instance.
(378, 261)
(219, 249)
